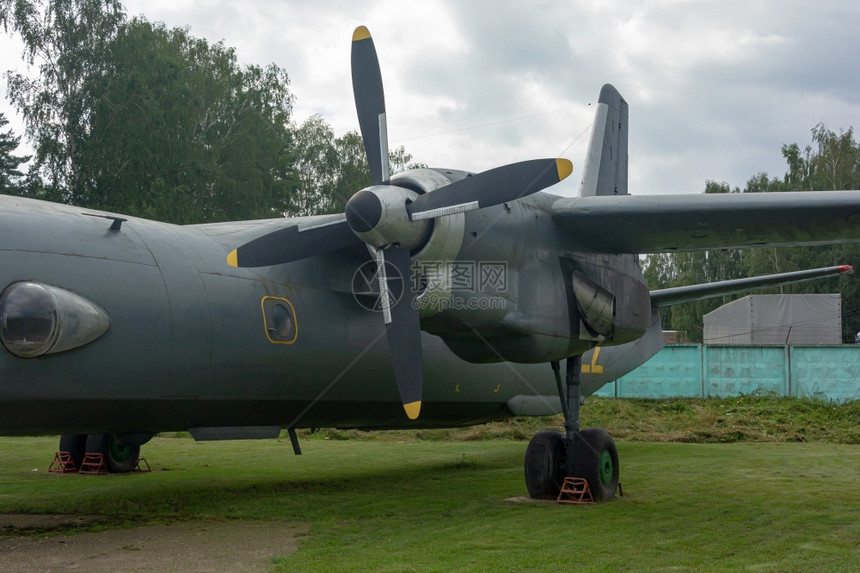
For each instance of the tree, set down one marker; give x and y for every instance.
(10, 176)
(836, 164)
(68, 39)
(831, 162)
(332, 169)
(354, 172)
(400, 160)
(317, 164)
(130, 116)
(180, 132)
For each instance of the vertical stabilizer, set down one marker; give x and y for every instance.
(605, 170)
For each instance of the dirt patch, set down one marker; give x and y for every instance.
(25, 521)
(190, 546)
(530, 500)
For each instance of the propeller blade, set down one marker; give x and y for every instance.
(506, 183)
(294, 243)
(370, 104)
(402, 326)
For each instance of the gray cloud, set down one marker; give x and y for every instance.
(715, 87)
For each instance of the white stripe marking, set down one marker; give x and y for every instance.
(442, 211)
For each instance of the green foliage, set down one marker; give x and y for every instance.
(832, 162)
(10, 176)
(133, 117)
(180, 132)
(720, 420)
(68, 39)
(692, 420)
(331, 169)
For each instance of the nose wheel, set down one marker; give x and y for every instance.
(589, 454)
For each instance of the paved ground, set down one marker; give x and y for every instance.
(187, 546)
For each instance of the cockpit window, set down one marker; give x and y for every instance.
(37, 319)
(28, 319)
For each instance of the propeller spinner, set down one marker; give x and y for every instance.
(391, 220)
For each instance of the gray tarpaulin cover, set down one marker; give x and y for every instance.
(797, 319)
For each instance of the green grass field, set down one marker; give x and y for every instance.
(413, 503)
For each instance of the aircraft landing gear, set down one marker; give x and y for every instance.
(119, 457)
(589, 454)
(546, 464)
(76, 445)
(594, 457)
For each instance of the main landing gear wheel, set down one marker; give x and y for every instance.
(589, 454)
(545, 464)
(119, 457)
(593, 456)
(75, 445)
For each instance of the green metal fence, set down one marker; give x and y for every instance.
(697, 371)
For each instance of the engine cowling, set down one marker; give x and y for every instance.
(440, 245)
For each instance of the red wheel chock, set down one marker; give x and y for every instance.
(93, 464)
(575, 491)
(142, 466)
(63, 463)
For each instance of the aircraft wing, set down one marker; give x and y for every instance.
(668, 223)
(679, 295)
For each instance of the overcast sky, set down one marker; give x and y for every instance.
(714, 87)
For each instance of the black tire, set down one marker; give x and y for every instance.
(545, 464)
(75, 445)
(119, 457)
(593, 456)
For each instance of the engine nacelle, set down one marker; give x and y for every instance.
(440, 247)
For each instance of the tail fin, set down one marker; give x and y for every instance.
(605, 170)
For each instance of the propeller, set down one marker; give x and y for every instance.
(294, 243)
(370, 104)
(392, 220)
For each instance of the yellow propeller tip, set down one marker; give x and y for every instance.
(361, 33)
(565, 168)
(233, 258)
(412, 409)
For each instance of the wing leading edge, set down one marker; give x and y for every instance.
(679, 295)
(668, 223)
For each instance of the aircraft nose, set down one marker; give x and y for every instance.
(37, 319)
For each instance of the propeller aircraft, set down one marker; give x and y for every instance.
(436, 299)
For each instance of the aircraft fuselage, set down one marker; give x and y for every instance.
(196, 343)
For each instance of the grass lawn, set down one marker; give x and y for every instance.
(436, 505)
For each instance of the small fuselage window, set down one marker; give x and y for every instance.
(279, 319)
